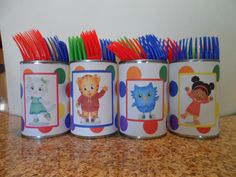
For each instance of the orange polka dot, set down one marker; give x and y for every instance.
(79, 68)
(186, 69)
(28, 71)
(134, 73)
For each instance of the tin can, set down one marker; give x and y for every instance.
(45, 98)
(143, 98)
(194, 98)
(93, 98)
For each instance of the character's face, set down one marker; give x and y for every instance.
(88, 85)
(37, 87)
(199, 94)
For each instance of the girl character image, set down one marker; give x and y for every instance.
(200, 95)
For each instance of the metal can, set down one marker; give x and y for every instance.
(93, 98)
(45, 98)
(194, 98)
(143, 98)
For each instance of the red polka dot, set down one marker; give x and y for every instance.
(68, 90)
(150, 126)
(203, 130)
(97, 129)
(45, 129)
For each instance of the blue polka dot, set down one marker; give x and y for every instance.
(67, 121)
(71, 89)
(173, 88)
(116, 121)
(21, 90)
(122, 89)
(22, 124)
(174, 122)
(123, 123)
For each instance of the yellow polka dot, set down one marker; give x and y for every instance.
(62, 111)
(217, 110)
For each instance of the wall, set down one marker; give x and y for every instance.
(115, 18)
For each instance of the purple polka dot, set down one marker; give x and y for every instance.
(116, 121)
(22, 124)
(173, 122)
(67, 121)
(123, 123)
(72, 123)
(122, 89)
(21, 90)
(173, 88)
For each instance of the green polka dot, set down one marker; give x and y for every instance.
(61, 75)
(163, 73)
(217, 71)
(112, 69)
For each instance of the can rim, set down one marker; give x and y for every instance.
(102, 61)
(195, 60)
(43, 62)
(143, 61)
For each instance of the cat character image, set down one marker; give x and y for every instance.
(37, 88)
(200, 95)
(89, 98)
(145, 99)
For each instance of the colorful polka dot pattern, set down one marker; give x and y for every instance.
(134, 73)
(79, 68)
(116, 120)
(123, 123)
(150, 126)
(61, 75)
(45, 129)
(216, 70)
(186, 69)
(68, 90)
(174, 122)
(203, 130)
(122, 89)
(62, 110)
(112, 70)
(67, 121)
(97, 129)
(28, 71)
(163, 73)
(173, 88)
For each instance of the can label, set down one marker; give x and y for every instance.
(41, 100)
(92, 93)
(93, 98)
(194, 104)
(143, 99)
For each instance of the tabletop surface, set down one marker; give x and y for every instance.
(116, 156)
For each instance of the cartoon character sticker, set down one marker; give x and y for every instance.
(199, 94)
(39, 110)
(88, 101)
(145, 99)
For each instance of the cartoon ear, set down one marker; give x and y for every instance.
(97, 78)
(79, 79)
(212, 86)
(44, 81)
(195, 79)
(150, 84)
